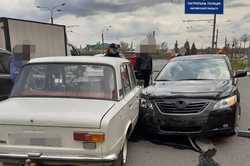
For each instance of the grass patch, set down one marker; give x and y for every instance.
(239, 63)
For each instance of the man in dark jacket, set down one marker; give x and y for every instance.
(144, 66)
(113, 51)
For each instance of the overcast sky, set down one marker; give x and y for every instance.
(131, 20)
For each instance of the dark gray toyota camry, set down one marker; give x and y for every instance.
(193, 95)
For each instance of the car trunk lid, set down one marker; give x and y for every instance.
(54, 112)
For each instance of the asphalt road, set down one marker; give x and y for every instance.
(231, 151)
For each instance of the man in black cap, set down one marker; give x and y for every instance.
(144, 66)
(113, 51)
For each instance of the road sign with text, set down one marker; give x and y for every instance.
(204, 6)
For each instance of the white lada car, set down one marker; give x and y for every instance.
(70, 110)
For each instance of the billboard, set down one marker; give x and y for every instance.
(204, 6)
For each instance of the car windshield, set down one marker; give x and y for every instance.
(200, 69)
(92, 81)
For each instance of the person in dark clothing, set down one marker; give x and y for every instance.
(113, 51)
(144, 67)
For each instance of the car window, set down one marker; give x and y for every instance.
(67, 80)
(125, 79)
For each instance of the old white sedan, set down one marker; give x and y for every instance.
(70, 110)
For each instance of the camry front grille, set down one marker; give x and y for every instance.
(181, 107)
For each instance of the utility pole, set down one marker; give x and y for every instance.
(103, 49)
(214, 28)
(216, 40)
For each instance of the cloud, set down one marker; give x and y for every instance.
(83, 8)
(24, 9)
(197, 29)
(237, 5)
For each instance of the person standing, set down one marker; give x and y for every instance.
(113, 51)
(144, 65)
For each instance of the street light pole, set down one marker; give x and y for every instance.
(103, 49)
(103, 44)
(51, 10)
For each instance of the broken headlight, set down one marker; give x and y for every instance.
(145, 103)
(225, 103)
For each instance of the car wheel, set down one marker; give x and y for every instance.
(122, 158)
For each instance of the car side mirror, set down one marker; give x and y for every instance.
(240, 73)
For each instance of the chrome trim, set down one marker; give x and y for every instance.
(108, 158)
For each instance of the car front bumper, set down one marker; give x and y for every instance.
(205, 123)
(21, 158)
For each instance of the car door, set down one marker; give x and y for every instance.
(134, 103)
(131, 92)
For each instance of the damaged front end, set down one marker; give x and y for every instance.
(186, 114)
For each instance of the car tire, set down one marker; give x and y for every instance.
(122, 158)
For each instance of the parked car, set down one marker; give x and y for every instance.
(70, 110)
(193, 95)
(5, 80)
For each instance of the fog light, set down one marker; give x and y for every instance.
(89, 145)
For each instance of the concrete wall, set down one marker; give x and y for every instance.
(44, 40)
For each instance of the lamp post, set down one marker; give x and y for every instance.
(52, 10)
(106, 28)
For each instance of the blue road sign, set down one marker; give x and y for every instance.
(204, 6)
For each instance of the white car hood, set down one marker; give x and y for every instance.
(57, 112)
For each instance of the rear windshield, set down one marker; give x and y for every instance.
(92, 81)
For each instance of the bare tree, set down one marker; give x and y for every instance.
(244, 38)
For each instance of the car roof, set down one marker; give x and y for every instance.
(81, 59)
(197, 57)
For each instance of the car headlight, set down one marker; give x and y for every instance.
(144, 103)
(225, 103)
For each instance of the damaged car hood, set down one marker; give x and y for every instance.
(203, 88)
